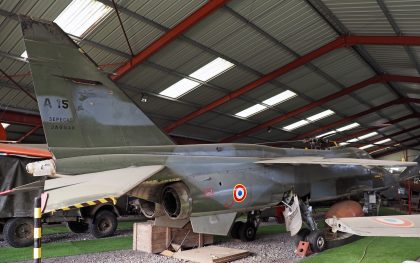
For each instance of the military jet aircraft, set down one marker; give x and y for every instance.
(108, 147)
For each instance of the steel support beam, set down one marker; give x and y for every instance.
(340, 42)
(20, 118)
(341, 93)
(31, 131)
(184, 25)
(355, 116)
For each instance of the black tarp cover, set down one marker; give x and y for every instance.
(13, 174)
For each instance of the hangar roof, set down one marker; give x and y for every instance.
(279, 70)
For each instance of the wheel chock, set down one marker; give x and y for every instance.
(303, 249)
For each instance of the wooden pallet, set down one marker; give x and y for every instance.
(154, 239)
(211, 254)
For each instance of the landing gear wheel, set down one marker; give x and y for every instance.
(77, 227)
(317, 241)
(19, 232)
(234, 232)
(247, 232)
(301, 236)
(104, 224)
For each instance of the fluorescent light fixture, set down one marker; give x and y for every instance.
(80, 15)
(366, 146)
(368, 135)
(212, 69)
(179, 88)
(348, 127)
(320, 115)
(383, 141)
(5, 125)
(343, 143)
(326, 134)
(295, 125)
(279, 98)
(251, 110)
(205, 73)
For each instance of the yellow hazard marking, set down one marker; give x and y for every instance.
(114, 200)
(91, 202)
(37, 252)
(37, 232)
(78, 205)
(37, 213)
(65, 208)
(103, 200)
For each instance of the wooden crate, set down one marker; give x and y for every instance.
(153, 239)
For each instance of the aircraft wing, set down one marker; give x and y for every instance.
(299, 160)
(400, 226)
(71, 191)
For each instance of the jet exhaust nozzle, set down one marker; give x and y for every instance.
(150, 209)
(176, 201)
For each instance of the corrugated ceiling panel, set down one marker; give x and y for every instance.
(344, 65)
(406, 15)
(376, 94)
(360, 16)
(293, 23)
(166, 13)
(346, 105)
(393, 59)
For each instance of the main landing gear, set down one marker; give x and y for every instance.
(246, 231)
(309, 232)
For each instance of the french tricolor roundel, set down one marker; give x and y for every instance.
(239, 193)
(394, 221)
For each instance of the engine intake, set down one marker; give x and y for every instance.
(176, 201)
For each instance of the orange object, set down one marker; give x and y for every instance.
(18, 150)
(346, 208)
(303, 249)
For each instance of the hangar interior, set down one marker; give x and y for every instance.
(250, 71)
(284, 73)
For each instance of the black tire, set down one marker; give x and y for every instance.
(234, 232)
(301, 236)
(104, 224)
(19, 232)
(247, 232)
(265, 219)
(77, 227)
(317, 241)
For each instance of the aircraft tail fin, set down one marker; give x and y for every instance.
(411, 171)
(80, 106)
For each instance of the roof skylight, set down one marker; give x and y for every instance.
(179, 88)
(205, 73)
(348, 127)
(5, 125)
(383, 141)
(279, 98)
(326, 134)
(296, 125)
(353, 140)
(320, 115)
(308, 120)
(80, 15)
(367, 135)
(366, 146)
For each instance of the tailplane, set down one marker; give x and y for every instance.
(80, 106)
(411, 171)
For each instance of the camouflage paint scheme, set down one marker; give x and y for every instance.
(91, 126)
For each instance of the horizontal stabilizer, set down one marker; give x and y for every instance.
(71, 190)
(299, 160)
(398, 226)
